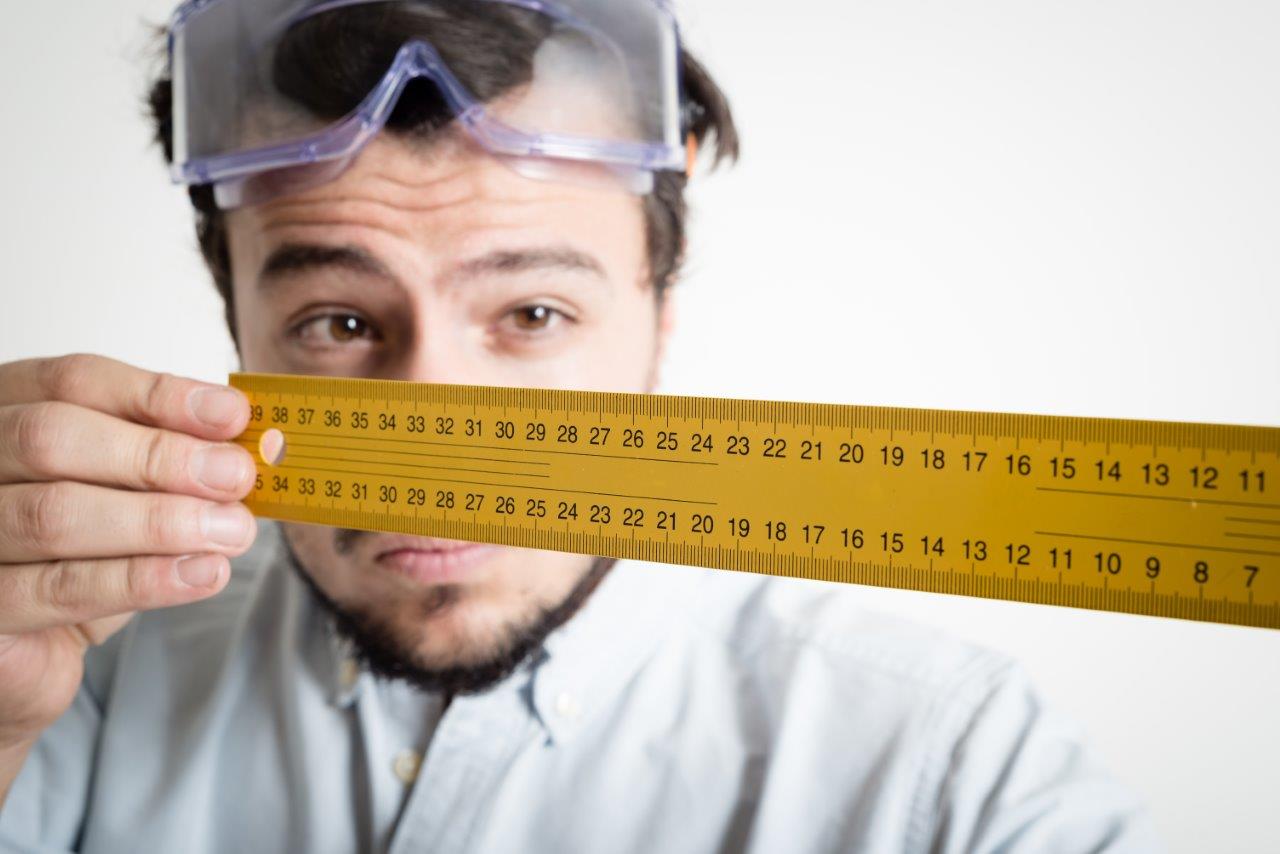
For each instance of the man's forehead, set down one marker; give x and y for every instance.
(287, 261)
(460, 213)
(399, 172)
(441, 196)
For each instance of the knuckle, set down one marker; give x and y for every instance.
(63, 377)
(138, 588)
(36, 437)
(61, 587)
(42, 515)
(157, 464)
(157, 399)
(163, 524)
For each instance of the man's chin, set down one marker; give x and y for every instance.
(443, 642)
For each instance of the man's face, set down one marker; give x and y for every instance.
(444, 265)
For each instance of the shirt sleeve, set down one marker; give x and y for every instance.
(1020, 779)
(45, 809)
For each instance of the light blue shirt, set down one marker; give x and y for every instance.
(680, 711)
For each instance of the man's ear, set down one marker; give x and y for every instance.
(665, 322)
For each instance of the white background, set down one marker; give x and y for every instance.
(1057, 207)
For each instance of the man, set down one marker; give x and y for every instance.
(471, 192)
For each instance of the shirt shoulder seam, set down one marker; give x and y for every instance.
(952, 714)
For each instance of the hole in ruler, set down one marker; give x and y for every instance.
(271, 447)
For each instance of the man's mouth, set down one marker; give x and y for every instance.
(428, 560)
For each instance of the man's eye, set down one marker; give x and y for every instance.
(335, 329)
(534, 318)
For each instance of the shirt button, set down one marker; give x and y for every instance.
(406, 765)
(350, 673)
(567, 706)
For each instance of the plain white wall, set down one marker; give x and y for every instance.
(1056, 207)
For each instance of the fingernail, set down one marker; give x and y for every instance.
(200, 570)
(217, 407)
(220, 467)
(227, 526)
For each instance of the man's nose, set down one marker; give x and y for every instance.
(438, 354)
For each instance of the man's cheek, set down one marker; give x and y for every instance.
(303, 539)
(619, 359)
(313, 547)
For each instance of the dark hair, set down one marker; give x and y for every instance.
(331, 60)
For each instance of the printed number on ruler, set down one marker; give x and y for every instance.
(1176, 520)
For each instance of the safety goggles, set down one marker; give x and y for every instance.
(272, 96)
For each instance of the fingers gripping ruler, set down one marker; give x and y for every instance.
(1165, 519)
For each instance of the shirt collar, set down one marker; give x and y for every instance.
(289, 608)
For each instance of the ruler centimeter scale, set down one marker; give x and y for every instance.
(1165, 519)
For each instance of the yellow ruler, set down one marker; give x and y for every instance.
(1167, 519)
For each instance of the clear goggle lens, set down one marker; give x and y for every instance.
(297, 88)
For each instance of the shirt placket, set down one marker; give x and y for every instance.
(392, 750)
(474, 744)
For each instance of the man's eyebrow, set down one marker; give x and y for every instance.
(512, 261)
(294, 258)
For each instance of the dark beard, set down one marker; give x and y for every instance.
(378, 650)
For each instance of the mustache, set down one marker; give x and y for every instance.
(345, 540)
